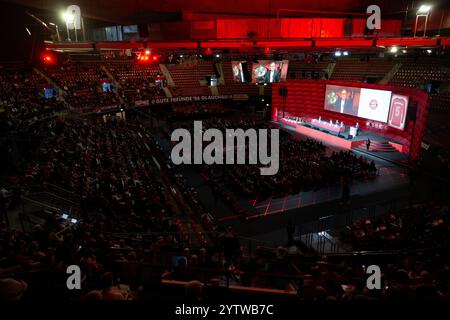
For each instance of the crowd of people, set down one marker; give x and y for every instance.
(39, 258)
(129, 216)
(135, 269)
(109, 164)
(130, 221)
(304, 166)
(22, 97)
(424, 226)
(82, 85)
(137, 81)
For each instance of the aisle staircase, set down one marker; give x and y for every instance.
(376, 146)
(214, 90)
(168, 92)
(221, 79)
(115, 82)
(387, 78)
(62, 93)
(167, 75)
(330, 68)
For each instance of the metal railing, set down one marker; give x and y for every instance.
(314, 235)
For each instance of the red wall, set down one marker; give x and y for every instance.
(267, 28)
(306, 99)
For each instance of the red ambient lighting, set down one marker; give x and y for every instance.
(146, 58)
(48, 59)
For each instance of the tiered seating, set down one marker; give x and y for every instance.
(415, 73)
(137, 81)
(440, 102)
(81, 82)
(424, 226)
(21, 95)
(357, 70)
(307, 69)
(188, 76)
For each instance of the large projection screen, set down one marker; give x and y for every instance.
(269, 71)
(361, 102)
(342, 99)
(374, 104)
(239, 74)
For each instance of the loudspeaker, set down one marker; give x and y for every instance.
(348, 24)
(283, 91)
(412, 111)
(143, 30)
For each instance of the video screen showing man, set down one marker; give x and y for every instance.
(238, 72)
(342, 99)
(272, 75)
(267, 71)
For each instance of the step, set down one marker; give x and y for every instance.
(377, 146)
(377, 149)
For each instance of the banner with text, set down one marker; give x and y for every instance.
(191, 99)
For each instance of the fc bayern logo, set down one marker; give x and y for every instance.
(373, 104)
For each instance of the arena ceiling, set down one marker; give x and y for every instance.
(143, 11)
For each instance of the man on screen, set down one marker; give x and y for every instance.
(273, 75)
(344, 103)
(238, 73)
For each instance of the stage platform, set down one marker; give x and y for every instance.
(380, 147)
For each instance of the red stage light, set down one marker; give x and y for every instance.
(144, 58)
(48, 59)
(208, 52)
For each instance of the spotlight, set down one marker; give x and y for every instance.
(424, 9)
(208, 52)
(147, 52)
(68, 17)
(429, 51)
(393, 50)
(404, 51)
(337, 54)
(217, 55)
(48, 58)
(345, 53)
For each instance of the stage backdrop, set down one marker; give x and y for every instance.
(305, 98)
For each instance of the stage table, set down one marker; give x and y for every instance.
(327, 126)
